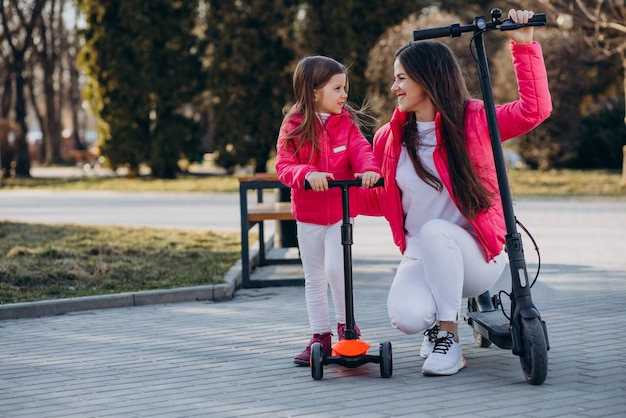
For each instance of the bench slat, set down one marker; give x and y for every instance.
(266, 211)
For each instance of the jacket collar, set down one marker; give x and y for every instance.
(397, 123)
(297, 117)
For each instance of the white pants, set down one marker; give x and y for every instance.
(428, 290)
(322, 261)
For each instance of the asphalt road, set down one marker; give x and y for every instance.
(211, 211)
(214, 211)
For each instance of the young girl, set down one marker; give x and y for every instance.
(319, 140)
(441, 195)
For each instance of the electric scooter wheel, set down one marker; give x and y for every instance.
(480, 340)
(317, 361)
(386, 359)
(534, 358)
(472, 306)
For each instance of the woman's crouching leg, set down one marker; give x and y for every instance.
(410, 304)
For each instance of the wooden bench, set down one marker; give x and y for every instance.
(256, 213)
(259, 212)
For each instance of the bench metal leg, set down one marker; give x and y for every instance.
(245, 243)
(262, 258)
(246, 268)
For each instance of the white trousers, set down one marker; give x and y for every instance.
(322, 261)
(425, 291)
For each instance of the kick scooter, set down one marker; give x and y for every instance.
(522, 330)
(350, 352)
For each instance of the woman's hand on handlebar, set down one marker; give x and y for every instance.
(522, 35)
(319, 180)
(368, 178)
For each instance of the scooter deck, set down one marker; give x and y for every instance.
(492, 325)
(352, 361)
(350, 348)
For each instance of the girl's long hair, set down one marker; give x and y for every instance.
(432, 65)
(312, 73)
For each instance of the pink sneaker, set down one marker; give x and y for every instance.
(341, 331)
(304, 358)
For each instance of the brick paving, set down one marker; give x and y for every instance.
(234, 358)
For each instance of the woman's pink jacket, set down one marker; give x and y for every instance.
(514, 119)
(344, 151)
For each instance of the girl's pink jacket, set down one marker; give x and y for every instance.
(514, 119)
(344, 151)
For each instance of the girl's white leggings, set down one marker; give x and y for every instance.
(425, 291)
(321, 252)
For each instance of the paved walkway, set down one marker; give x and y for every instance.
(231, 359)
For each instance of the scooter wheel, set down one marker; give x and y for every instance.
(386, 359)
(480, 340)
(473, 306)
(534, 358)
(317, 361)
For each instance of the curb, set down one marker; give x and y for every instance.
(215, 293)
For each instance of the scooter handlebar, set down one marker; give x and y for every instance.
(346, 183)
(480, 24)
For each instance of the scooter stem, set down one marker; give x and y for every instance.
(521, 302)
(346, 242)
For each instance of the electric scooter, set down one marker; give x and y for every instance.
(350, 352)
(522, 330)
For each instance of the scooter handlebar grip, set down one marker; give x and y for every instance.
(339, 183)
(440, 32)
(380, 182)
(538, 19)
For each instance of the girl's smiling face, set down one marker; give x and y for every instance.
(331, 97)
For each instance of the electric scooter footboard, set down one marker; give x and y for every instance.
(492, 325)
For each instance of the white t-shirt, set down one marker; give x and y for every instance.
(421, 202)
(323, 117)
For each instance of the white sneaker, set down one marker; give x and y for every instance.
(430, 336)
(446, 358)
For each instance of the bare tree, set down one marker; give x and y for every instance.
(71, 47)
(603, 23)
(8, 131)
(47, 50)
(19, 19)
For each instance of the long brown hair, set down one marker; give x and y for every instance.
(312, 73)
(433, 65)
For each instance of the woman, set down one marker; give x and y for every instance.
(441, 194)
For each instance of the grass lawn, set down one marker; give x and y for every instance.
(567, 183)
(39, 262)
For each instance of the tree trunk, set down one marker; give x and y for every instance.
(7, 96)
(75, 105)
(22, 157)
(623, 55)
(53, 126)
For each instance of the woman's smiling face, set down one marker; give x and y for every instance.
(411, 95)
